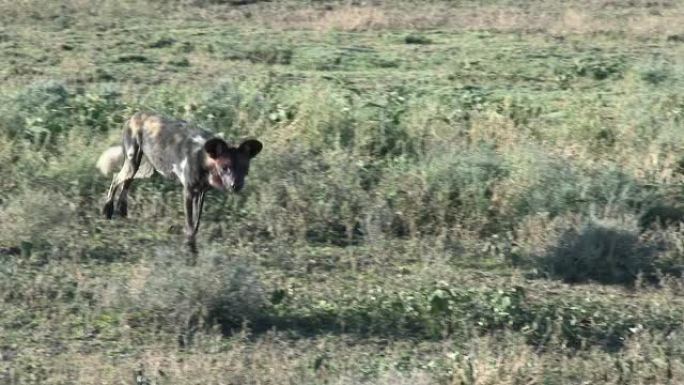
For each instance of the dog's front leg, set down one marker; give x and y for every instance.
(197, 203)
(190, 230)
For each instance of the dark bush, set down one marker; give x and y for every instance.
(417, 39)
(609, 253)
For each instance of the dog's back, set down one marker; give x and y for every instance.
(160, 139)
(165, 143)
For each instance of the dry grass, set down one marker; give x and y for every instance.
(642, 19)
(272, 359)
(541, 17)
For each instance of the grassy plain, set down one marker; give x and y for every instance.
(450, 192)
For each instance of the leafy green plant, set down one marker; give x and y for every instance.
(599, 69)
(38, 112)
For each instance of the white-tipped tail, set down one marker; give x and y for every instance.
(110, 160)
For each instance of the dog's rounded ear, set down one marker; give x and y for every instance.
(251, 146)
(215, 147)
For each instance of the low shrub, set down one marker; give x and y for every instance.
(184, 299)
(608, 251)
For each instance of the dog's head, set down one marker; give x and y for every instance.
(228, 166)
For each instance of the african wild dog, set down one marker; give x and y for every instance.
(176, 149)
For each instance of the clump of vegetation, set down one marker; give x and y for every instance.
(186, 299)
(417, 39)
(44, 111)
(265, 54)
(609, 252)
(29, 221)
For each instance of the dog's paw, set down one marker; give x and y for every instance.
(108, 210)
(191, 245)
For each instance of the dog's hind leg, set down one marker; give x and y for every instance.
(121, 182)
(108, 209)
(131, 166)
